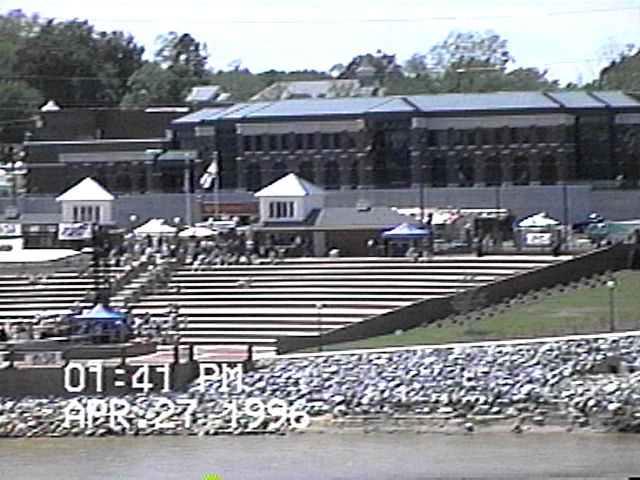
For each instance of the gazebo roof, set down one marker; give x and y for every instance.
(290, 186)
(87, 190)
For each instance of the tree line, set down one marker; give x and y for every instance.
(74, 64)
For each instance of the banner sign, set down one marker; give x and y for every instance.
(43, 358)
(538, 239)
(10, 230)
(74, 231)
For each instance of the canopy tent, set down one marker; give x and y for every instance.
(197, 231)
(155, 227)
(100, 312)
(405, 231)
(538, 220)
(102, 324)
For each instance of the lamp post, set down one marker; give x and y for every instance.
(319, 307)
(611, 286)
(421, 176)
(188, 214)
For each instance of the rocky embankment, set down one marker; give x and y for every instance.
(582, 384)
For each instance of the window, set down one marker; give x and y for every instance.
(254, 177)
(541, 133)
(354, 175)
(311, 141)
(332, 175)
(337, 141)
(351, 141)
(520, 171)
(273, 143)
(306, 171)
(289, 141)
(513, 135)
(247, 144)
(89, 214)
(299, 141)
(548, 170)
(326, 141)
(281, 209)
(493, 172)
(466, 172)
(439, 172)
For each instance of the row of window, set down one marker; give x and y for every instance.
(281, 209)
(299, 141)
(494, 136)
(436, 173)
(90, 214)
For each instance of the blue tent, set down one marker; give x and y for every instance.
(100, 312)
(405, 231)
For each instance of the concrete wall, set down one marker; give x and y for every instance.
(428, 311)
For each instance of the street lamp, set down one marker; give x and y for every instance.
(611, 285)
(422, 202)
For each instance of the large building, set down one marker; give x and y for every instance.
(564, 152)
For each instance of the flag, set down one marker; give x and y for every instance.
(210, 174)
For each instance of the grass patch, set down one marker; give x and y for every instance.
(573, 311)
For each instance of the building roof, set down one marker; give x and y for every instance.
(203, 93)
(576, 99)
(482, 101)
(616, 99)
(88, 189)
(335, 106)
(431, 103)
(351, 218)
(290, 186)
(342, 218)
(200, 115)
(177, 155)
(329, 88)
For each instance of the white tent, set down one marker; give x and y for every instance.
(197, 231)
(539, 220)
(155, 227)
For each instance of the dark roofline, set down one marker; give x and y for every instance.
(253, 109)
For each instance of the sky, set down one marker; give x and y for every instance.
(572, 39)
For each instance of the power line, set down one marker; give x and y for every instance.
(334, 21)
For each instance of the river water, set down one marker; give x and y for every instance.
(323, 456)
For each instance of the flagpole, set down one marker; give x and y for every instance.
(216, 187)
(187, 191)
(216, 196)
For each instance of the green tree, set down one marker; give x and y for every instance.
(464, 49)
(18, 100)
(621, 74)
(378, 67)
(73, 64)
(180, 64)
(18, 104)
(416, 65)
(15, 28)
(150, 85)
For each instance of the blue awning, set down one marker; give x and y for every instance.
(100, 312)
(405, 230)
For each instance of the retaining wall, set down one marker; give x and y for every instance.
(428, 311)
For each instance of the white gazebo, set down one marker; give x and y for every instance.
(289, 199)
(87, 202)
